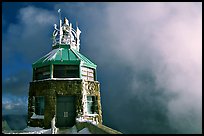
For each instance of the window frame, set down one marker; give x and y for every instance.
(39, 103)
(41, 73)
(92, 105)
(88, 73)
(66, 71)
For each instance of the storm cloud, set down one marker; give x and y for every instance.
(24, 42)
(15, 106)
(149, 58)
(17, 84)
(30, 35)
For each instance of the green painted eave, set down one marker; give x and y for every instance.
(63, 54)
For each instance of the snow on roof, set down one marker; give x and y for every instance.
(64, 55)
(51, 55)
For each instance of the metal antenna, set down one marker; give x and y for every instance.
(60, 26)
(76, 32)
(59, 11)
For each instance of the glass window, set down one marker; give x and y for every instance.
(87, 73)
(42, 73)
(66, 71)
(92, 104)
(39, 105)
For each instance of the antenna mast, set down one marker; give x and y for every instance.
(60, 26)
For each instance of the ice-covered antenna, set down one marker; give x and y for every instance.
(60, 26)
(59, 11)
(78, 32)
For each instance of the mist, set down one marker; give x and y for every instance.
(151, 56)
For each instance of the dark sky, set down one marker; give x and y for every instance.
(148, 56)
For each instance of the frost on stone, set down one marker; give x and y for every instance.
(81, 119)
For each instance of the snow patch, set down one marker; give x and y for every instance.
(73, 130)
(51, 55)
(84, 131)
(38, 130)
(32, 130)
(34, 116)
(86, 120)
(82, 119)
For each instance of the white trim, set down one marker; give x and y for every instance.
(58, 79)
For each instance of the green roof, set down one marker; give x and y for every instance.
(63, 54)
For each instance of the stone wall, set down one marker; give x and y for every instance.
(51, 88)
(93, 88)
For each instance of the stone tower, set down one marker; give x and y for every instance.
(64, 85)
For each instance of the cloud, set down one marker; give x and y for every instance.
(14, 105)
(23, 43)
(30, 35)
(149, 63)
(17, 84)
(161, 42)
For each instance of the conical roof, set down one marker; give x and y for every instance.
(63, 54)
